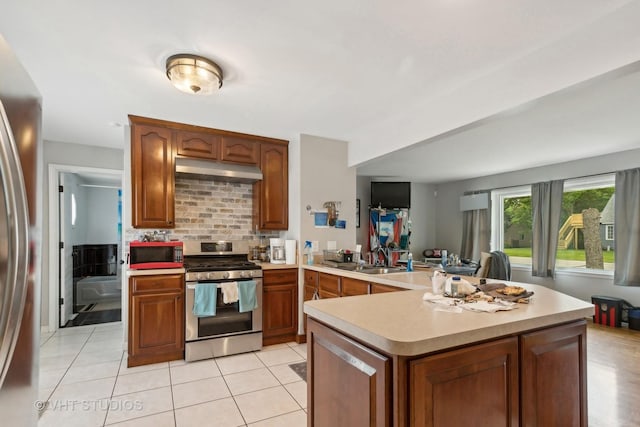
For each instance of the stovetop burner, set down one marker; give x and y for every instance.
(218, 263)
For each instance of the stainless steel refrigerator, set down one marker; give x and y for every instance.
(20, 175)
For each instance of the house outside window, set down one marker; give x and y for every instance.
(512, 224)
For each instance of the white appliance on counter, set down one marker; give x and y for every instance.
(276, 251)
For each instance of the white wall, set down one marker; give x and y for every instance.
(363, 192)
(325, 176)
(580, 285)
(423, 219)
(101, 215)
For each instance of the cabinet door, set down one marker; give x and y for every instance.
(363, 397)
(156, 325)
(271, 195)
(152, 177)
(477, 384)
(351, 286)
(239, 150)
(377, 288)
(329, 284)
(311, 278)
(195, 144)
(280, 313)
(280, 306)
(554, 372)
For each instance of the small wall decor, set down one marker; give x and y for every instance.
(357, 213)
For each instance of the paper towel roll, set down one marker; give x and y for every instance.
(290, 251)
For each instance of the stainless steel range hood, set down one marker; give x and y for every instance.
(217, 170)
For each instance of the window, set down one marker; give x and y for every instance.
(590, 248)
(609, 232)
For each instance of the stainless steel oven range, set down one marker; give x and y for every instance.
(229, 331)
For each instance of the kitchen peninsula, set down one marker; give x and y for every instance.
(394, 359)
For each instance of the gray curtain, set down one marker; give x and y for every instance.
(476, 231)
(546, 205)
(627, 228)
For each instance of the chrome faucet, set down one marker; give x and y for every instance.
(386, 256)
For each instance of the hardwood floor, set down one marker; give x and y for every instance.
(613, 376)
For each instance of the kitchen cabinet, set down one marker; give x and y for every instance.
(479, 381)
(198, 144)
(271, 195)
(378, 288)
(280, 306)
(156, 319)
(554, 372)
(240, 150)
(349, 287)
(529, 378)
(152, 177)
(328, 285)
(364, 394)
(310, 292)
(156, 143)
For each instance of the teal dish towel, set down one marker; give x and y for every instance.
(204, 302)
(247, 296)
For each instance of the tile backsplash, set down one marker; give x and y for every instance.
(209, 209)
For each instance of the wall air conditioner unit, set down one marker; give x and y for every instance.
(474, 202)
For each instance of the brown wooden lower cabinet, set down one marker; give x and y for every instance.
(554, 373)
(156, 319)
(280, 306)
(378, 288)
(474, 384)
(329, 285)
(349, 384)
(349, 287)
(534, 378)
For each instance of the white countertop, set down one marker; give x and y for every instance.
(401, 323)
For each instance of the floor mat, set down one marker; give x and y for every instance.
(95, 317)
(300, 369)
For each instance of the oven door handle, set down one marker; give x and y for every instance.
(191, 286)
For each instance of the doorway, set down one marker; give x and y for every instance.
(85, 210)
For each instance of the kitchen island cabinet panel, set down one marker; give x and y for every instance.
(280, 311)
(271, 195)
(156, 319)
(554, 372)
(364, 395)
(198, 144)
(474, 383)
(152, 177)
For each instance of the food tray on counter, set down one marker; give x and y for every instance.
(337, 256)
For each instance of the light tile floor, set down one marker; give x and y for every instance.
(86, 382)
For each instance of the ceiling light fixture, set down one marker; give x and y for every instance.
(194, 74)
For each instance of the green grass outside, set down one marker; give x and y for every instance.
(566, 254)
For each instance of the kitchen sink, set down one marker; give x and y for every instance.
(382, 270)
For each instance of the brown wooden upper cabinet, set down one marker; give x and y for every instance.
(155, 145)
(197, 144)
(152, 177)
(271, 195)
(239, 150)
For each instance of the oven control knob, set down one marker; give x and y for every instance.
(202, 276)
(243, 274)
(225, 275)
(211, 276)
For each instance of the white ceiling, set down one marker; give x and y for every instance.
(413, 85)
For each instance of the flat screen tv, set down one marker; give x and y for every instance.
(391, 194)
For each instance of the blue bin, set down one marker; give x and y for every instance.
(634, 318)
